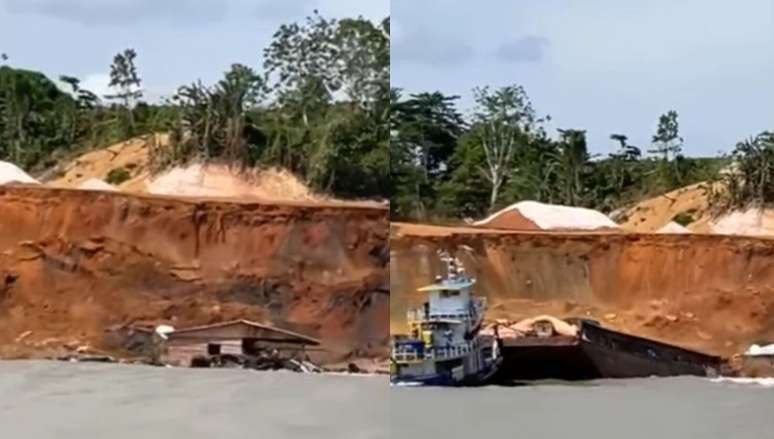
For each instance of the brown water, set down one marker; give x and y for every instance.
(52, 400)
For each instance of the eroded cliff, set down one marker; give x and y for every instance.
(76, 265)
(709, 292)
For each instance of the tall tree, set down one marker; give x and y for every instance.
(504, 120)
(425, 130)
(125, 79)
(572, 160)
(668, 143)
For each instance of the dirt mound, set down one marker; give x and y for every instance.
(691, 201)
(93, 184)
(10, 173)
(199, 180)
(708, 292)
(76, 266)
(652, 214)
(195, 180)
(131, 156)
(531, 215)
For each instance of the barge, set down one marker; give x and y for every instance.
(597, 352)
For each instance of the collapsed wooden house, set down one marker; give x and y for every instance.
(237, 337)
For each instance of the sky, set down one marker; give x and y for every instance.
(177, 41)
(607, 66)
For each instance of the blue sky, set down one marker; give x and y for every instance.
(178, 41)
(602, 65)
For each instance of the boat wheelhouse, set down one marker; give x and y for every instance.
(445, 347)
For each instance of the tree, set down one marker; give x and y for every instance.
(425, 131)
(667, 140)
(125, 79)
(749, 180)
(668, 143)
(571, 162)
(331, 82)
(32, 123)
(213, 120)
(504, 120)
(626, 152)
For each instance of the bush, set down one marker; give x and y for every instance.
(118, 176)
(683, 218)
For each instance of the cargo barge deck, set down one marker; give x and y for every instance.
(597, 352)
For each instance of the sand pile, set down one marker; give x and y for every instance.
(94, 184)
(750, 222)
(531, 215)
(10, 173)
(530, 326)
(673, 227)
(199, 180)
(195, 180)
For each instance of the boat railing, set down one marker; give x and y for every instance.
(408, 354)
(451, 351)
(418, 315)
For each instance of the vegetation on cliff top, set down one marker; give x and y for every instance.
(445, 165)
(319, 108)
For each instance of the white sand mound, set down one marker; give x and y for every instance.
(10, 173)
(673, 227)
(95, 184)
(198, 180)
(547, 217)
(751, 222)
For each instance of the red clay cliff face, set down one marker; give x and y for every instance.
(75, 265)
(708, 292)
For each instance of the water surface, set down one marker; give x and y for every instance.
(656, 408)
(53, 400)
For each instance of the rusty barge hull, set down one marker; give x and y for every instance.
(599, 353)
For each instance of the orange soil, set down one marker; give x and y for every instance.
(75, 265)
(193, 179)
(654, 213)
(708, 292)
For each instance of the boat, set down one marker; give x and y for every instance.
(445, 347)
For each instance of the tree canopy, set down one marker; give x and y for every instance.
(319, 106)
(445, 165)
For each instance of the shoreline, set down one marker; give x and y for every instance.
(325, 370)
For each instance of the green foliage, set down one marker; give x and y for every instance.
(748, 180)
(321, 109)
(503, 155)
(683, 218)
(125, 79)
(117, 176)
(36, 117)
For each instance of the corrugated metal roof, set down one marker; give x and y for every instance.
(306, 338)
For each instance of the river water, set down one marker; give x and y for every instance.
(52, 400)
(665, 408)
(42, 400)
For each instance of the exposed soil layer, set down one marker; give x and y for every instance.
(708, 292)
(76, 266)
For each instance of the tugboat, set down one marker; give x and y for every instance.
(445, 347)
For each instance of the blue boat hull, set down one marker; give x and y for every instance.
(481, 378)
